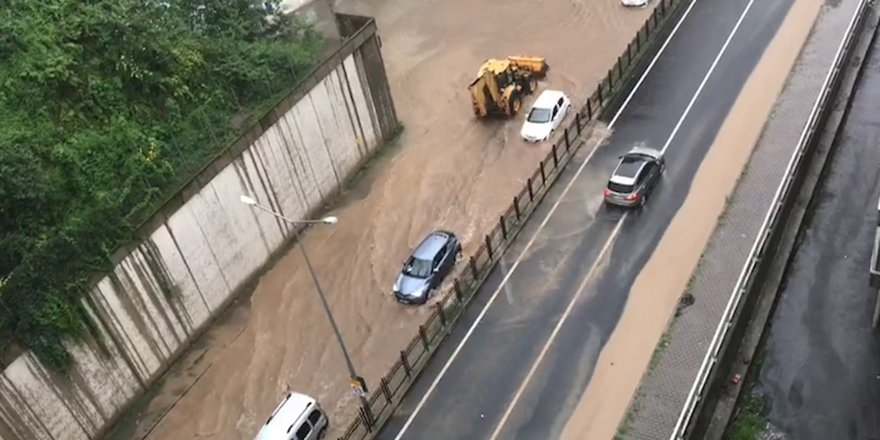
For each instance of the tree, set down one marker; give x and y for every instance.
(105, 105)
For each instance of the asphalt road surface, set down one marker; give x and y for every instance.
(821, 372)
(518, 362)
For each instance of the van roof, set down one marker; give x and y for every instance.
(281, 423)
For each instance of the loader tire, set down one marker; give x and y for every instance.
(533, 84)
(515, 104)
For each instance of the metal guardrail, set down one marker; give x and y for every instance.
(874, 269)
(771, 222)
(438, 325)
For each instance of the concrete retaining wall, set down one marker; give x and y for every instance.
(204, 245)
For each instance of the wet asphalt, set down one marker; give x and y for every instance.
(470, 398)
(821, 370)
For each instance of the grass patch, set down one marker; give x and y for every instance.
(660, 348)
(626, 424)
(750, 423)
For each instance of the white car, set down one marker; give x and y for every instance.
(635, 3)
(546, 115)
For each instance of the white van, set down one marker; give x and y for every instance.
(297, 417)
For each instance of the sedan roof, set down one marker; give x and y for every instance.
(547, 99)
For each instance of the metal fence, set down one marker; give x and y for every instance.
(414, 357)
(771, 229)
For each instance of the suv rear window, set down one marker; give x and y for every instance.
(618, 188)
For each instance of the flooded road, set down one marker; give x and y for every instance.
(447, 170)
(525, 353)
(821, 373)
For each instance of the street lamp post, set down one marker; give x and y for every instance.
(355, 379)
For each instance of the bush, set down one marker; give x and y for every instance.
(106, 105)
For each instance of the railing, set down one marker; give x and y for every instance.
(391, 388)
(772, 221)
(874, 269)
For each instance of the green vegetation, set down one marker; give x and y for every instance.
(107, 105)
(626, 424)
(661, 347)
(749, 424)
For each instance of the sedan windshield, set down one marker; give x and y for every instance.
(539, 115)
(417, 268)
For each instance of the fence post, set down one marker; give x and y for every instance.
(405, 363)
(383, 383)
(489, 246)
(473, 264)
(456, 287)
(610, 78)
(620, 68)
(516, 207)
(629, 54)
(589, 109)
(662, 6)
(599, 93)
(577, 119)
(555, 155)
(567, 141)
(503, 225)
(441, 313)
(543, 176)
(424, 336)
(531, 192)
(365, 419)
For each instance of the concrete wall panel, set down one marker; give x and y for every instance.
(184, 229)
(181, 283)
(359, 97)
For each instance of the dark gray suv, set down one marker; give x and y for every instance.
(636, 175)
(426, 268)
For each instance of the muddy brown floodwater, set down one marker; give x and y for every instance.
(447, 170)
(655, 292)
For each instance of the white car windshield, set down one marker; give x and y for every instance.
(539, 115)
(417, 268)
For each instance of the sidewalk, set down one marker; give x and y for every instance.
(664, 389)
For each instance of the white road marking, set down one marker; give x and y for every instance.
(491, 301)
(708, 74)
(507, 291)
(537, 232)
(651, 65)
(607, 245)
(558, 326)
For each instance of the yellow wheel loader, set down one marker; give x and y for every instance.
(501, 84)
